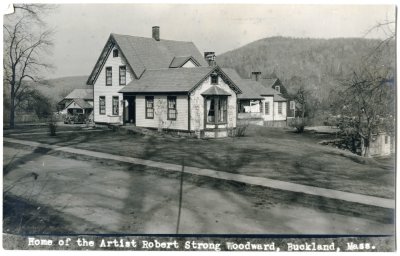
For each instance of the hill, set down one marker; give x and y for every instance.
(317, 64)
(56, 89)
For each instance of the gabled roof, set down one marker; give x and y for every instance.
(215, 90)
(252, 89)
(247, 91)
(269, 81)
(86, 94)
(146, 53)
(174, 80)
(278, 97)
(80, 102)
(178, 62)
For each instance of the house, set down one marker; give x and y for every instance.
(259, 104)
(164, 85)
(294, 108)
(379, 145)
(79, 101)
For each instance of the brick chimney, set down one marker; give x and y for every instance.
(156, 33)
(210, 58)
(255, 75)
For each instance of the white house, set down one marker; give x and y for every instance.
(259, 104)
(79, 101)
(162, 84)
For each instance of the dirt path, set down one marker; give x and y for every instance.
(118, 199)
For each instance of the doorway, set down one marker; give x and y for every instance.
(129, 109)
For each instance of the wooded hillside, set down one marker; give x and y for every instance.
(317, 64)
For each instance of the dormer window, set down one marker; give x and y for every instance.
(278, 88)
(115, 53)
(214, 78)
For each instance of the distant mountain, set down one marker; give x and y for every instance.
(56, 89)
(318, 64)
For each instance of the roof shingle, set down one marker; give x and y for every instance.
(146, 53)
(168, 80)
(86, 94)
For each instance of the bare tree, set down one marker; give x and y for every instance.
(367, 105)
(26, 41)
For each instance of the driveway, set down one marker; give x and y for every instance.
(106, 197)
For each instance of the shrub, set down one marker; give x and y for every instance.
(299, 124)
(241, 130)
(52, 127)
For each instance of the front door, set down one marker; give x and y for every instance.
(129, 109)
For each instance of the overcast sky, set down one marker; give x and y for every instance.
(82, 29)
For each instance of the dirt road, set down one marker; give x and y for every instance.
(96, 197)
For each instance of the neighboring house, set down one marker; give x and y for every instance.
(294, 108)
(79, 101)
(258, 103)
(379, 145)
(162, 84)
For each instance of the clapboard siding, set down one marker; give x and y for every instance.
(100, 88)
(197, 105)
(161, 111)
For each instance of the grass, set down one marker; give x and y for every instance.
(264, 152)
(21, 216)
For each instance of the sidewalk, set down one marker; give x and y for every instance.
(38, 133)
(258, 181)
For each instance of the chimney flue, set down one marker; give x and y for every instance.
(156, 33)
(210, 58)
(255, 75)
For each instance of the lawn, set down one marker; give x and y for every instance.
(265, 152)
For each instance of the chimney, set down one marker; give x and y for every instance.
(255, 75)
(156, 33)
(210, 58)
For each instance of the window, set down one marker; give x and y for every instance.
(222, 109)
(108, 75)
(278, 88)
(386, 139)
(102, 105)
(217, 107)
(267, 108)
(171, 115)
(115, 53)
(115, 105)
(292, 105)
(122, 75)
(214, 79)
(279, 107)
(149, 107)
(261, 107)
(211, 110)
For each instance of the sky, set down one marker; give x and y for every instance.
(81, 30)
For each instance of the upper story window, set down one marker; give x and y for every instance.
(171, 108)
(115, 53)
(108, 75)
(214, 79)
(149, 107)
(122, 75)
(278, 88)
